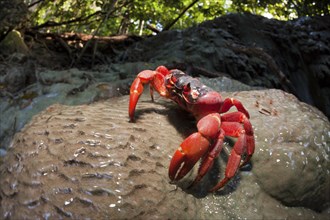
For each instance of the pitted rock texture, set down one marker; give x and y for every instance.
(89, 161)
(293, 152)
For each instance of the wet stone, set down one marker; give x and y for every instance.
(107, 167)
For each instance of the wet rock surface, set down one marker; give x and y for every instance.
(88, 161)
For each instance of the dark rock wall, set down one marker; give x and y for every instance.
(293, 56)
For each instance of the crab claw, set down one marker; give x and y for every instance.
(156, 80)
(187, 155)
(135, 92)
(136, 89)
(197, 146)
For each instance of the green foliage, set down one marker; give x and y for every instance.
(283, 9)
(107, 17)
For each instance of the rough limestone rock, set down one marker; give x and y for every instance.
(88, 161)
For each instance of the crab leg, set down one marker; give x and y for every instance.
(232, 125)
(242, 118)
(194, 147)
(232, 129)
(208, 160)
(229, 102)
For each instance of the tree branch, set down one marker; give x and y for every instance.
(55, 24)
(110, 10)
(34, 3)
(152, 28)
(167, 27)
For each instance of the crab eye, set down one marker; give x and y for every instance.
(170, 81)
(186, 88)
(173, 80)
(190, 94)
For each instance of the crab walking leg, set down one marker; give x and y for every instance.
(230, 102)
(151, 90)
(194, 147)
(208, 160)
(250, 143)
(234, 129)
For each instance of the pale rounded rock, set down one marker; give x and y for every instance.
(89, 161)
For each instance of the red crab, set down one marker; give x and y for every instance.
(207, 106)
